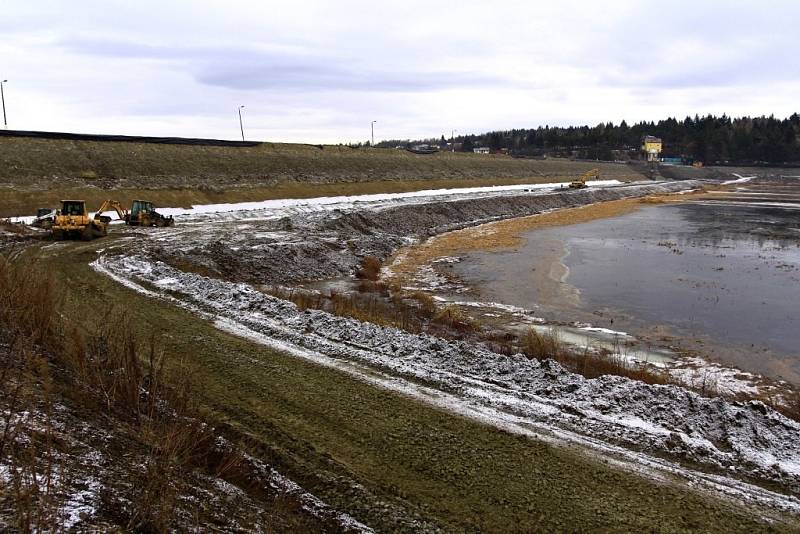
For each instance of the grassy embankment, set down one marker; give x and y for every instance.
(327, 431)
(38, 173)
(75, 394)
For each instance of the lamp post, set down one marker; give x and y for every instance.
(3, 98)
(452, 141)
(241, 126)
(372, 133)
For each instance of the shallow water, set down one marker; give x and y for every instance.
(722, 278)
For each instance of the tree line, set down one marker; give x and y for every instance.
(709, 139)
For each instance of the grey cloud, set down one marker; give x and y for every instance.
(314, 77)
(749, 67)
(256, 69)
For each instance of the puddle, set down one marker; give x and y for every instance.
(723, 277)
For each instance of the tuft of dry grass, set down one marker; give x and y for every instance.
(426, 303)
(370, 269)
(28, 298)
(541, 346)
(376, 307)
(591, 364)
(454, 317)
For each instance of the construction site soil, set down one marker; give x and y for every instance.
(533, 445)
(743, 448)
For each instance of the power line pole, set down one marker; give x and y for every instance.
(241, 126)
(3, 98)
(372, 133)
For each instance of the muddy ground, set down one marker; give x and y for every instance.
(280, 249)
(408, 432)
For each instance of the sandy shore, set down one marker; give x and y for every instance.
(506, 235)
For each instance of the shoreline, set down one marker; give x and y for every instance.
(551, 292)
(500, 235)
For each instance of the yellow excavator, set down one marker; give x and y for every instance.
(73, 220)
(580, 183)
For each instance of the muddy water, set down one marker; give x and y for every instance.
(718, 277)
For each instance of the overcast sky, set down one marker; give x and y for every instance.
(320, 71)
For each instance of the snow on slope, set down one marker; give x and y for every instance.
(622, 419)
(739, 179)
(339, 202)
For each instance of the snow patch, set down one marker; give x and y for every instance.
(739, 179)
(509, 391)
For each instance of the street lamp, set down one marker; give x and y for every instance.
(241, 127)
(452, 141)
(3, 98)
(372, 133)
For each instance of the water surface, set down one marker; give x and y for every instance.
(721, 278)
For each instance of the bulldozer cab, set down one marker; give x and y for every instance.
(73, 208)
(141, 206)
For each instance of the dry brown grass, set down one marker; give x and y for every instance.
(370, 268)
(27, 301)
(386, 306)
(791, 406)
(425, 301)
(108, 373)
(653, 200)
(541, 346)
(375, 305)
(591, 364)
(42, 172)
(454, 318)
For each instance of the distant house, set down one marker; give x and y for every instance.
(482, 150)
(651, 146)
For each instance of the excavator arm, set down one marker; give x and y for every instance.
(594, 173)
(580, 182)
(108, 205)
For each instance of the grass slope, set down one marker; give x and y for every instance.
(39, 172)
(371, 452)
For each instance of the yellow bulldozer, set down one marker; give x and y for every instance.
(73, 220)
(580, 182)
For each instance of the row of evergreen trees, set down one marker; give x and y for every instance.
(710, 139)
